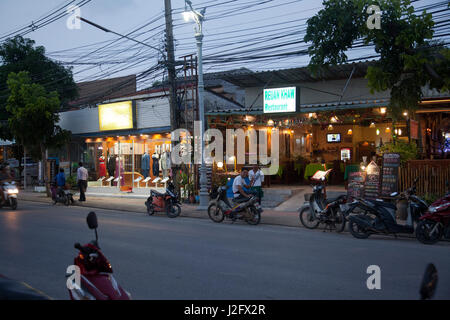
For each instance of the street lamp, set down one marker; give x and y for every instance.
(198, 18)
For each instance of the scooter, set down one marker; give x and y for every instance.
(63, 196)
(96, 279)
(379, 216)
(220, 208)
(320, 210)
(435, 224)
(164, 202)
(10, 192)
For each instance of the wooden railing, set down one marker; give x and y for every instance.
(432, 174)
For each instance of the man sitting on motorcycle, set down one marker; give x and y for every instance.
(5, 176)
(60, 182)
(238, 187)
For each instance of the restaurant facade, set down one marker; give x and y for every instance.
(331, 120)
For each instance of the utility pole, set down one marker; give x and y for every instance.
(170, 61)
(171, 66)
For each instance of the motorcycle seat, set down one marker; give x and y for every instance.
(329, 200)
(384, 204)
(242, 200)
(156, 193)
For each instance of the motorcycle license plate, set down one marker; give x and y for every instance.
(344, 207)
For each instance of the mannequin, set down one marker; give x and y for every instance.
(155, 165)
(101, 167)
(145, 165)
(122, 170)
(165, 163)
(111, 165)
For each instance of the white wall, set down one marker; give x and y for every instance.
(151, 113)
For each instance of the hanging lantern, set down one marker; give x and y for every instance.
(270, 123)
(334, 119)
(330, 127)
(372, 125)
(350, 132)
(388, 130)
(378, 132)
(382, 110)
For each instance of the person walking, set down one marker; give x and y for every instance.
(82, 177)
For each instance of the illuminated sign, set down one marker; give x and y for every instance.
(115, 116)
(280, 100)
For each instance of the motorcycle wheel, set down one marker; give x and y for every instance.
(423, 230)
(67, 201)
(13, 203)
(150, 210)
(173, 210)
(256, 217)
(307, 219)
(340, 221)
(71, 200)
(215, 213)
(357, 231)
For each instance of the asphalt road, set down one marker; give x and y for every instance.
(185, 258)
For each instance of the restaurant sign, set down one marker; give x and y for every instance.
(280, 100)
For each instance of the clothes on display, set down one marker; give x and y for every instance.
(101, 167)
(165, 163)
(145, 165)
(122, 170)
(111, 165)
(155, 164)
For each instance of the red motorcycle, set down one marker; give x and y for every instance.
(95, 272)
(164, 202)
(435, 224)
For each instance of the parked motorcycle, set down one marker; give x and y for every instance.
(435, 224)
(10, 192)
(220, 208)
(63, 196)
(378, 216)
(164, 202)
(96, 279)
(319, 210)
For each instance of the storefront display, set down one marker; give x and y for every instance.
(130, 157)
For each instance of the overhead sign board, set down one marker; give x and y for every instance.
(280, 100)
(115, 116)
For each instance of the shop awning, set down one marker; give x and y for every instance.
(124, 132)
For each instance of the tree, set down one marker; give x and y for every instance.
(409, 59)
(19, 54)
(34, 116)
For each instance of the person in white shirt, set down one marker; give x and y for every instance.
(82, 177)
(239, 185)
(256, 179)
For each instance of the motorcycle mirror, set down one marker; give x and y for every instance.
(429, 282)
(92, 220)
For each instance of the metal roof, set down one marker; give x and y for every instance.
(248, 78)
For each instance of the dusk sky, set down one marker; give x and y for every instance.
(233, 28)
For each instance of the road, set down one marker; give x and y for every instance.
(187, 258)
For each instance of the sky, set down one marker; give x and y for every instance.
(233, 28)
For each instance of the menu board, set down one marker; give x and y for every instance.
(355, 186)
(389, 184)
(372, 183)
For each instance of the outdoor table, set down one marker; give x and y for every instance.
(350, 168)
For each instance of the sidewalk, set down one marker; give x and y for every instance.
(130, 203)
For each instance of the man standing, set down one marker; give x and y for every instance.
(256, 179)
(82, 177)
